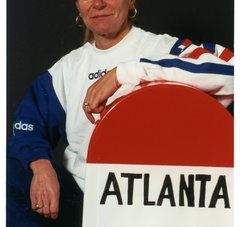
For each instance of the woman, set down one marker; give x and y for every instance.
(115, 54)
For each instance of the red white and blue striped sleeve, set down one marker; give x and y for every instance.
(207, 67)
(185, 48)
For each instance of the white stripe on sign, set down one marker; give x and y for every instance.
(151, 195)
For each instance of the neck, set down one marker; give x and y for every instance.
(106, 41)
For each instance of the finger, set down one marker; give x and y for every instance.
(92, 98)
(39, 207)
(90, 117)
(96, 105)
(33, 199)
(101, 107)
(88, 111)
(54, 207)
(46, 207)
(98, 109)
(36, 204)
(40, 211)
(96, 101)
(39, 204)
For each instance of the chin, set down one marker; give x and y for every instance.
(102, 29)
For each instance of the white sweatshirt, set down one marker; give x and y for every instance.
(140, 56)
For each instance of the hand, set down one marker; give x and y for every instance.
(98, 94)
(44, 190)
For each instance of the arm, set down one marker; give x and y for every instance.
(38, 122)
(209, 70)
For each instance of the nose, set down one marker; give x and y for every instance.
(99, 4)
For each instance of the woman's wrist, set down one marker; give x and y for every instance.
(41, 165)
(116, 82)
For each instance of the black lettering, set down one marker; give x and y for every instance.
(189, 190)
(146, 191)
(131, 177)
(203, 179)
(111, 180)
(103, 72)
(221, 185)
(167, 186)
(90, 76)
(96, 75)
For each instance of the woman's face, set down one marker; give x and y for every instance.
(105, 17)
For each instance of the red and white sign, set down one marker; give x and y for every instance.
(161, 156)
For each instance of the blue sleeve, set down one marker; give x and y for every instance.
(39, 122)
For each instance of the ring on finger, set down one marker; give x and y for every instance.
(38, 206)
(86, 104)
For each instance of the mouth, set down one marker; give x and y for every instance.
(101, 16)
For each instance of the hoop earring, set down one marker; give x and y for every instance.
(134, 15)
(79, 21)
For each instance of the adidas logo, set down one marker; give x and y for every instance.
(23, 126)
(97, 74)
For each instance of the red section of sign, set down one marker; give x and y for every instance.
(164, 124)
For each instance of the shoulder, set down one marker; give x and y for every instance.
(152, 42)
(74, 55)
(68, 62)
(63, 71)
